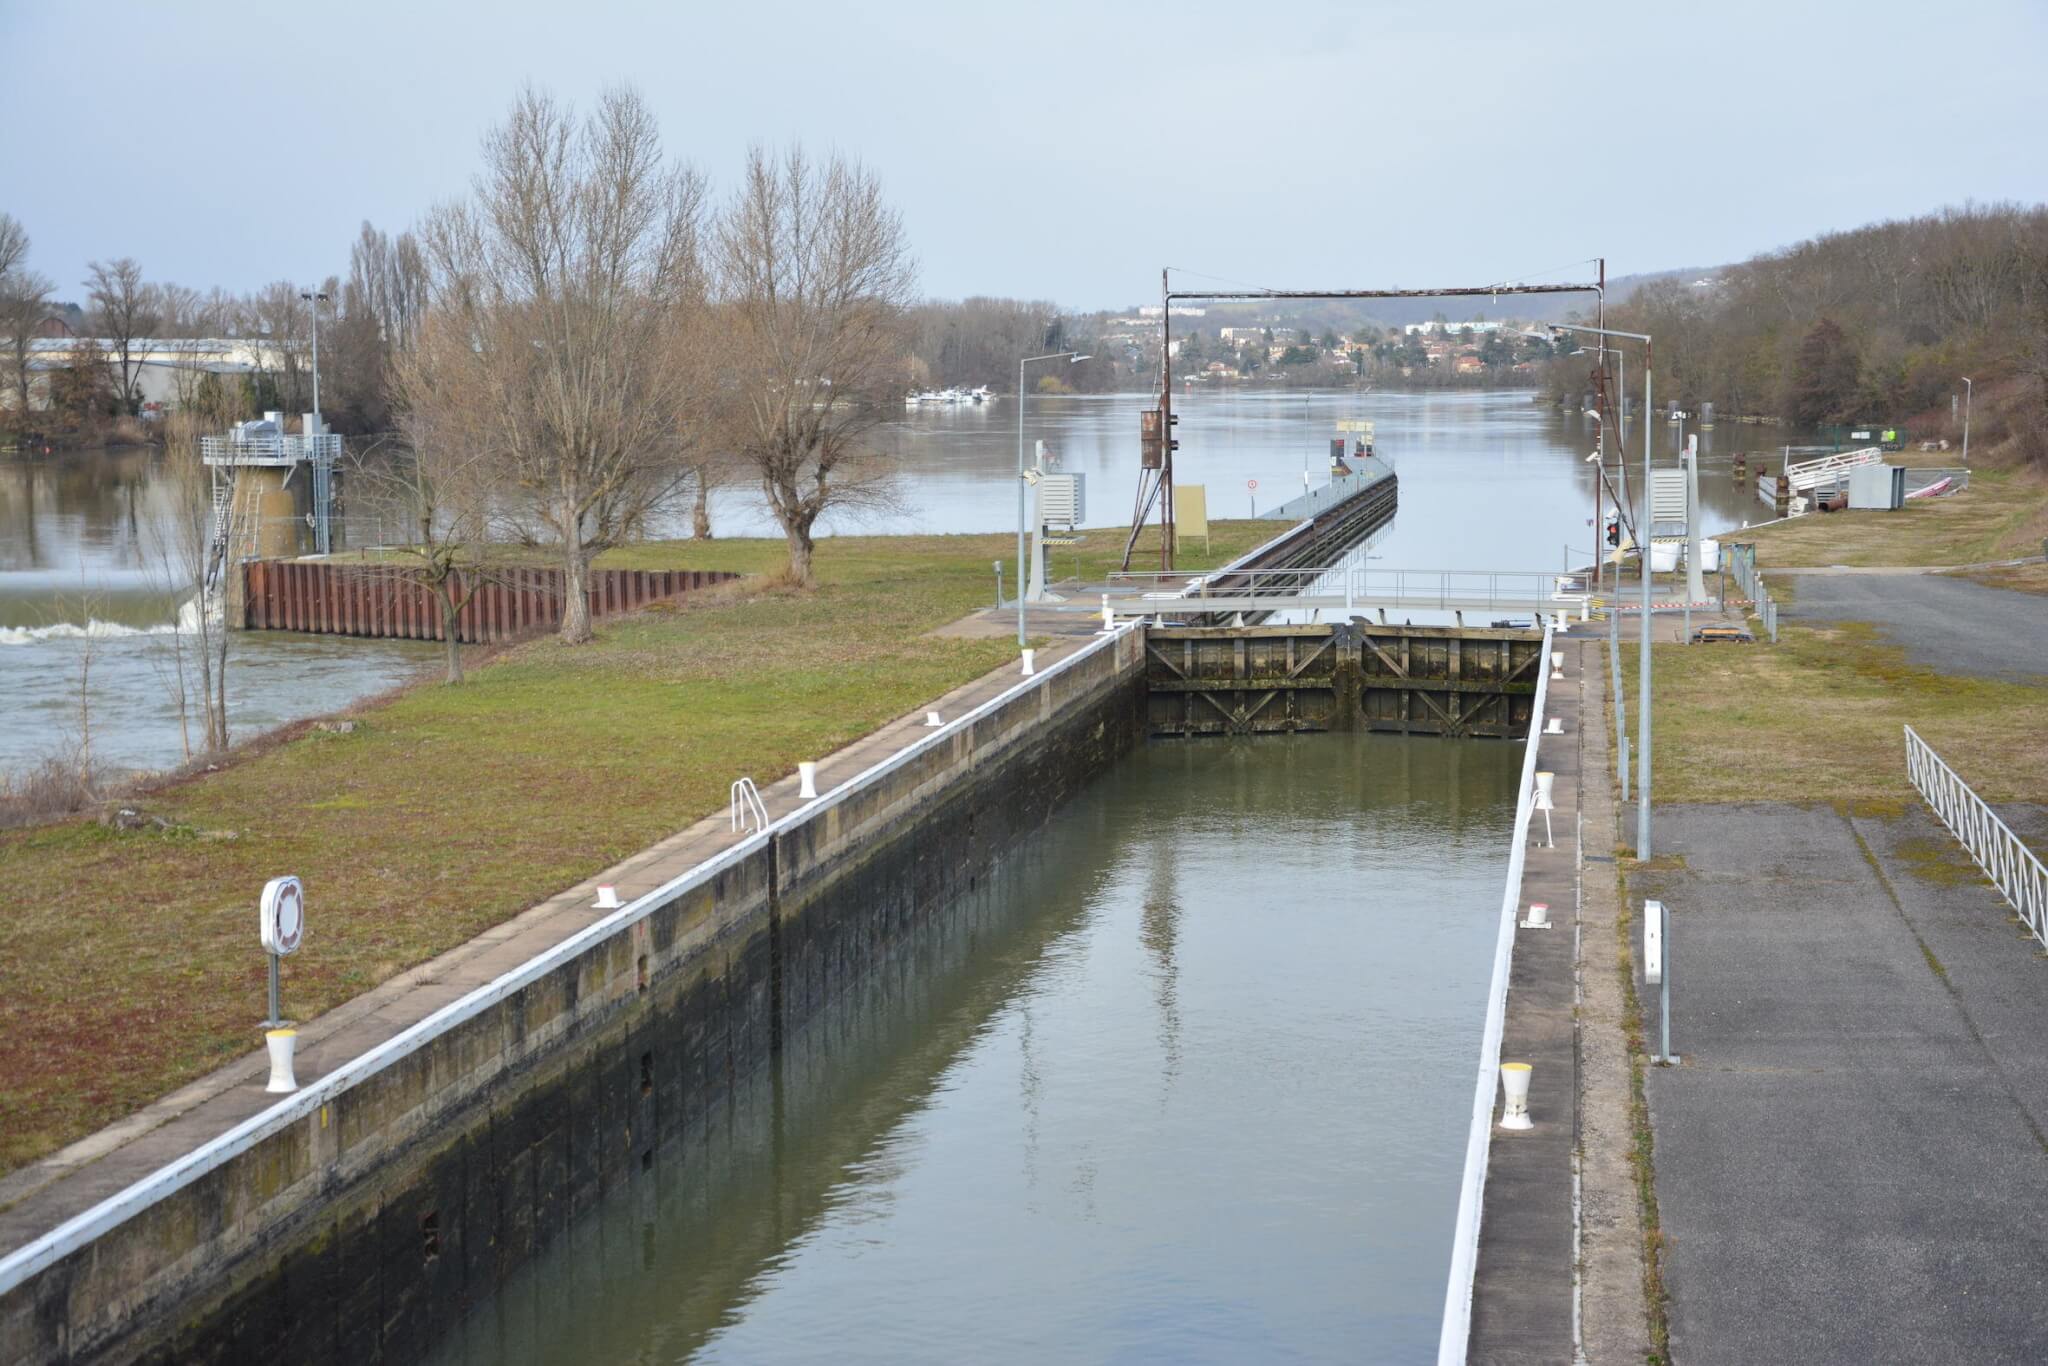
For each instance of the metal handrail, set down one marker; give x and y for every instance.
(746, 808)
(1456, 1336)
(2013, 868)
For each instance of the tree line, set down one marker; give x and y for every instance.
(1874, 324)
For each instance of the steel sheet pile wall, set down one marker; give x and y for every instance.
(355, 1220)
(324, 597)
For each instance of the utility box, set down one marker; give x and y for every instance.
(1062, 500)
(1880, 487)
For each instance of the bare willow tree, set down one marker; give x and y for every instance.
(814, 280)
(548, 344)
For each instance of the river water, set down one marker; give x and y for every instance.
(1489, 480)
(1187, 1081)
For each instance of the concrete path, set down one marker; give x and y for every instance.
(43, 1194)
(1850, 1163)
(1947, 623)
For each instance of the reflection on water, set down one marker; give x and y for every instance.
(1186, 1082)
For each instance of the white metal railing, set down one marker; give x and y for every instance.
(2012, 867)
(746, 808)
(1421, 588)
(1457, 1327)
(1805, 475)
(269, 449)
(76, 1232)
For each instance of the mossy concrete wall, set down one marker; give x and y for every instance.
(363, 1231)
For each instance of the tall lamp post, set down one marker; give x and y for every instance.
(1643, 548)
(1071, 359)
(1969, 393)
(315, 298)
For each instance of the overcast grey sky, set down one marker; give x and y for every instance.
(1051, 149)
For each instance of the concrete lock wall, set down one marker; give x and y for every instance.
(366, 1227)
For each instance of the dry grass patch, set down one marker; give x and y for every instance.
(1818, 717)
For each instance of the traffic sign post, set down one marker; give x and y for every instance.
(1252, 485)
(281, 927)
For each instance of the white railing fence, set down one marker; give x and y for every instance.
(1457, 1326)
(2012, 867)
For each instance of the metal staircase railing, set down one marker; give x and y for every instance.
(747, 810)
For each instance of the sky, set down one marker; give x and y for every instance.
(1051, 150)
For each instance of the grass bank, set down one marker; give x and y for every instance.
(128, 963)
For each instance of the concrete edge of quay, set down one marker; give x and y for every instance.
(1558, 1275)
(549, 1055)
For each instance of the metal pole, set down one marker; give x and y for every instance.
(1969, 393)
(1020, 501)
(1620, 710)
(316, 359)
(1665, 993)
(999, 585)
(276, 1019)
(1643, 664)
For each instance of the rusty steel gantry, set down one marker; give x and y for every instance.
(1156, 440)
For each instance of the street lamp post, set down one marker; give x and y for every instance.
(1643, 548)
(1969, 393)
(315, 298)
(1071, 358)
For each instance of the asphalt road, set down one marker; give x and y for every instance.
(1852, 1160)
(1943, 622)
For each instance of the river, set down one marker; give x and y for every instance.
(1187, 1080)
(1489, 480)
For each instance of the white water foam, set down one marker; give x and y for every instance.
(95, 629)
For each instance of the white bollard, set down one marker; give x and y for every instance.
(280, 1042)
(1557, 663)
(607, 899)
(932, 721)
(1539, 916)
(1030, 662)
(807, 780)
(1514, 1082)
(1108, 617)
(1554, 726)
(1543, 783)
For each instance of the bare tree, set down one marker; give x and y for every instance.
(24, 299)
(13, 243)
(549, 343)
(197, 552)
(814, 277)
(282, 318)
(121, 313)
(440, 492)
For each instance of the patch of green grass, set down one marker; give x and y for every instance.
(1818, 717)
(128, 963)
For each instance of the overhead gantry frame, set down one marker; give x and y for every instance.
(1156, 445)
